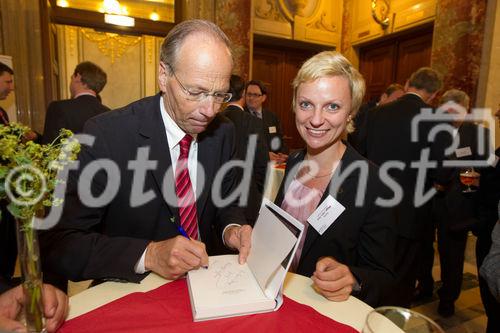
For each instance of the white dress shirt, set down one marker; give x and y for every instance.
(174, 136)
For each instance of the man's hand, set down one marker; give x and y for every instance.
(55, 308)
(239, 238)
(333, 280)
(174, 257)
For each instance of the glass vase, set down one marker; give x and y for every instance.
(29, 261)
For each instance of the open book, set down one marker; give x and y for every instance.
(229, 289)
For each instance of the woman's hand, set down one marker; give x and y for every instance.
(333, 280)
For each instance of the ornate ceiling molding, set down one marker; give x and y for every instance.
(110, 44)
(380, 12)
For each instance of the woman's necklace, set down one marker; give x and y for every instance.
(320, 176)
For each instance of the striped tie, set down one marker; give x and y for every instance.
(184, 190)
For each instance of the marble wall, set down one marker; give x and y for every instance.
(21, 39)
(233, 17)
(457, 43)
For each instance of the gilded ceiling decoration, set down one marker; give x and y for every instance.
(111, 45)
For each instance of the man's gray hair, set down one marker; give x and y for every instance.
(456, 95)
(175, 38)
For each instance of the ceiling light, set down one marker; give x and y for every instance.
(125, 21)
(112, 7)
(62, 3)
(154, 16)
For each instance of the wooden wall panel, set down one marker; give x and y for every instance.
(394, 60)
(276, 67)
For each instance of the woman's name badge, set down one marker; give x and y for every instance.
(272, 129)
(326, 213)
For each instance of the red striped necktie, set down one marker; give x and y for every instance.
(184, 190)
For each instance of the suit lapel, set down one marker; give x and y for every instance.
(206, 158)
(152, 134)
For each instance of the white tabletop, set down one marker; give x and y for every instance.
(351, 312)
(274, 177)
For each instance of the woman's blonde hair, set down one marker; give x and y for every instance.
(332, 63)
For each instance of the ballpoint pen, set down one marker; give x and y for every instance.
(183, 233)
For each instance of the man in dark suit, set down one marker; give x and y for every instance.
(162, 155)
(388, 139)
(8, 247)
(357, 138)
(255, 96)
(454, 211)
(87, 81)
(6, 86)
(246, 126)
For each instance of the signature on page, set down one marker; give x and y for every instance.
(227, 275)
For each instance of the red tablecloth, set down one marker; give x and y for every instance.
(167, 309)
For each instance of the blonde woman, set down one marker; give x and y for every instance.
(354, 254)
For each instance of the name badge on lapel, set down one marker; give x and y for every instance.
(326, 213)
(272, 129)
(463, 152)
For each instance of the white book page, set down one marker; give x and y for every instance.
(272, 241)
(225, 283)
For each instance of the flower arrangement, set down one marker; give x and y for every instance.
(28, 178)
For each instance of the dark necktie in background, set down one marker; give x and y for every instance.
(184, 190)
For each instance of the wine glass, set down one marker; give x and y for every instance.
(389, 319)
(468, 177)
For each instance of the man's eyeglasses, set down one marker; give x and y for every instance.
(252, 95)
(193, 95)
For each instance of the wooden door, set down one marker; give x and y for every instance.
(376, 66)
(277, 67)
(412, 54)
(394, 60)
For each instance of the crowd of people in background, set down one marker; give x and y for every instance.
(204, 116)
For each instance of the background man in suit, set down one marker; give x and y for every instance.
(389, 139)
(8, 247)
(87, 81)
(6, 86)
(454, 211)
(247, 125)
(175, 140)
(255, 96)
(358, 137)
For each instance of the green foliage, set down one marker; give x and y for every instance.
(28, 170)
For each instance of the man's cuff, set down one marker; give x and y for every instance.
(139, 266)
(224, 231)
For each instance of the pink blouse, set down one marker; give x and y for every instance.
(300, 201)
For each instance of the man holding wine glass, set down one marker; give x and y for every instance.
(454, 209)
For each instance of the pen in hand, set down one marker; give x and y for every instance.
(183, 233)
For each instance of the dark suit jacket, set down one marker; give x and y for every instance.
(362, 238)
(271, 123)
(358, 137)
(107, 242)
(70, 114)
(389, 139)
(246, 125)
